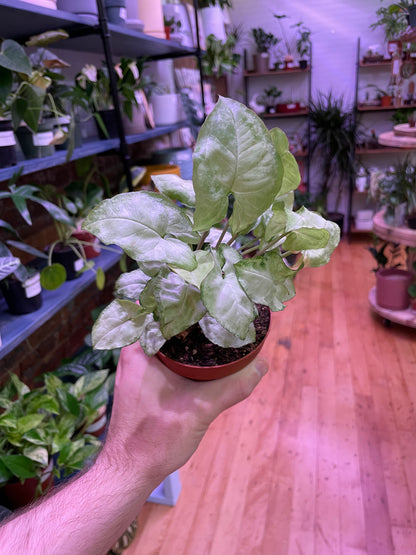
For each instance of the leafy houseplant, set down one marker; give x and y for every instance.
(303, 43)
(219, 57)
(333, 140)
(393, 21)
(264, 42)
(192, 269)
(289, 53)
(268, 99)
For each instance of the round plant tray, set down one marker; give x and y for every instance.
(404, 130)
(404, 317)
(401, 234)
(389, 138)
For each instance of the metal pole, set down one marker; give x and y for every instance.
(105, 37)
(199, 56)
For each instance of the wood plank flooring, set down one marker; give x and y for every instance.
(321, 459)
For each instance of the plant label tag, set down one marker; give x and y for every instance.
(32, 288)
(7, 138)
(43, 139)
(78, 264)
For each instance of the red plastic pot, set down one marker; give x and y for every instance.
(392, 288)
(92, 250)
(15, 495)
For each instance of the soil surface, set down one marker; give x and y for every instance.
(194, 348)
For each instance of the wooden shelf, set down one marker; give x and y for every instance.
(380, 150)
(369, 108)
(383, 63)
(276, 72)
(15, 328)
(298, 113)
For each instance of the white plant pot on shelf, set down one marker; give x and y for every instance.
(213, 22)
(167, 108)
(150, 13)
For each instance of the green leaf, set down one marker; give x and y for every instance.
(175, 188)
(8, 265)
(5, 474)
(37, 454)
(45, 403)
(305, 218)
(266, 280)
(20, 466)
(234, 154)
(29, 422)
(131, 284)
(120, 323)
(69, 402)
(89, 382)
(53, 276)
(14, 57)
(226, 301)
(47, 37)
(99, 278)
(151, 338)
(21, 388)
(178, 304)
(37, 437)
(6, 84)
(33, 97)
(147, 226)
(220, 336)
(287, 163)
(306, 238)
(205, 263)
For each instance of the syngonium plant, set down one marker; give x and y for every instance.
(192, 263)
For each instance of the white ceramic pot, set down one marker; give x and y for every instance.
(86, 8)
(213, 22)
(151, 13)
(167, 108)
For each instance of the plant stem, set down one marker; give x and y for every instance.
(202, 240)
(221, 237)
(233, 238)
(269, 245)
(249, 245)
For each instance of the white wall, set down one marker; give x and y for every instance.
(335, 24)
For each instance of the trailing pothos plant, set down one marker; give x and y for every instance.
(192, 264)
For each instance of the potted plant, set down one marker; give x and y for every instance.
(394, 23)
(268, 99)
(303, 43)
(219, 60)
(385, 97)
(25, 444)
(392, 282)
(289, 54)
(333, 139)
(264, 42)
(212, 17)
(21, 288)
(195, 276)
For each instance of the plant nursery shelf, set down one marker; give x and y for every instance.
(89, 148)
(370, 108)
(380, 150)
(276, 72)
(15, 329)
(386, 62)
(21, 20)
(396, 234)
(296, 113)
(404, 317)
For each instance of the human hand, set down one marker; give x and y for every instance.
(159, 418)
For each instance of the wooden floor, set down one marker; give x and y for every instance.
(322, 458)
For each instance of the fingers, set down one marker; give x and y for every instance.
(226, 392)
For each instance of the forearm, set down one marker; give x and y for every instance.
(85, 517)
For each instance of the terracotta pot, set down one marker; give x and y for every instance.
(207, 373)
(392, 288)
(261, 62)
(386, 101)
(91, 251)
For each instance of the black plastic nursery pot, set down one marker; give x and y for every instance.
(36, 145)
(110, 123)
(22, 298)
(67, 257)
(7, 145)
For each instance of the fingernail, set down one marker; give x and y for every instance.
(261, 366)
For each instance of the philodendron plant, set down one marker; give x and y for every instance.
(194, 262)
